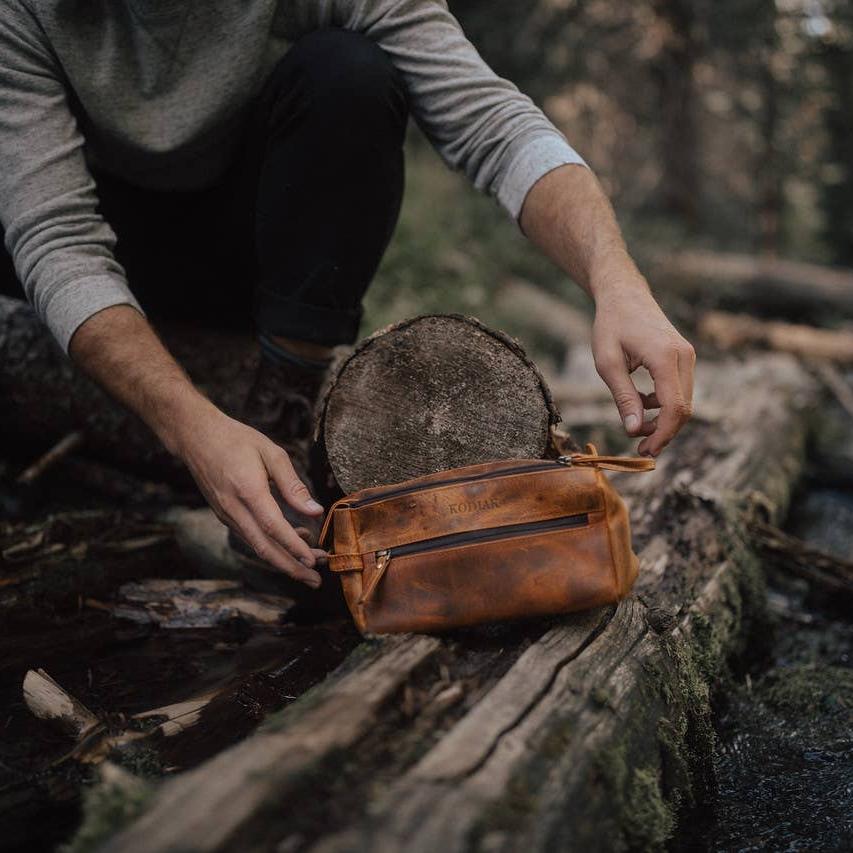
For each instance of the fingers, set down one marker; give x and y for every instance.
(613, 369)
(320, 556)
(649, 426)
(268, 516)
(673, 378)
(292, 489)
(267, 549)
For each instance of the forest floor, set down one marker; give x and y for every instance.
(784, 720)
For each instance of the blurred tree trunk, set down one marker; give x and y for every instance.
(837, 183)
(769, 170)
(673, 69)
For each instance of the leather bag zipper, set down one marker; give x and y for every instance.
(545, 465)
(590, 459)
(487, 534)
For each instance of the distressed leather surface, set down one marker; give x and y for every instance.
(527, 574)
(512, 499)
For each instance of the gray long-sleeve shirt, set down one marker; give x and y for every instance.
(155, 91)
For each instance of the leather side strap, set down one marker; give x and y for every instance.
(341, 502)
(346, 563)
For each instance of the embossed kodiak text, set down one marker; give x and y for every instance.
(473, 506)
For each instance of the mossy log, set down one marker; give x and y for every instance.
(43, 397)
(587, 732)
(428, 394)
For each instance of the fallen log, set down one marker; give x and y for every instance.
(730, 331)
(45, 398)
(428, 394)
(765, 285)
(590, 731)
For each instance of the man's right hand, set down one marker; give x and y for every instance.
(233, 464)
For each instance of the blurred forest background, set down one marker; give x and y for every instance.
(713, 124)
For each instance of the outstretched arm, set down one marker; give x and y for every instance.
(232, 463)
(568, 216)
(481, 124)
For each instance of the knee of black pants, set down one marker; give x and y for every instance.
(346, 83)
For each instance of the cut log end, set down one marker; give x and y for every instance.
(433, 393)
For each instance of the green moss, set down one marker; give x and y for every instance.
(613, 768)
(139, 760)
(644, 814)
(648, 820)
(808, 689)
(108, 807)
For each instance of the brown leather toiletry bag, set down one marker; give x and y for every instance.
(483, 543)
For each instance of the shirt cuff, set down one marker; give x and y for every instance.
(540, 155)
(77, 300)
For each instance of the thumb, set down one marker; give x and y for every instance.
(614, 371)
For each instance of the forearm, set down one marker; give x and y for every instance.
(232, 463)
(120, 351)
(568, 216)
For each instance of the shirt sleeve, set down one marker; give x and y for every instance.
(478, 122)
(61, 247)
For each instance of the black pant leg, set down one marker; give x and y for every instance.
(327, 142)
(9, 284)
(183, 257)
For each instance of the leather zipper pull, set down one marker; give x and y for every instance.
(591, 459)
(383, 558)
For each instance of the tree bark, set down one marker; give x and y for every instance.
(585, 732)
(428, 394)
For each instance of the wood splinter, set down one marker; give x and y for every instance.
(50, 702)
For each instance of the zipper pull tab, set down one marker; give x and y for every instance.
(610, 463)
(383, 558)
(591, 459)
